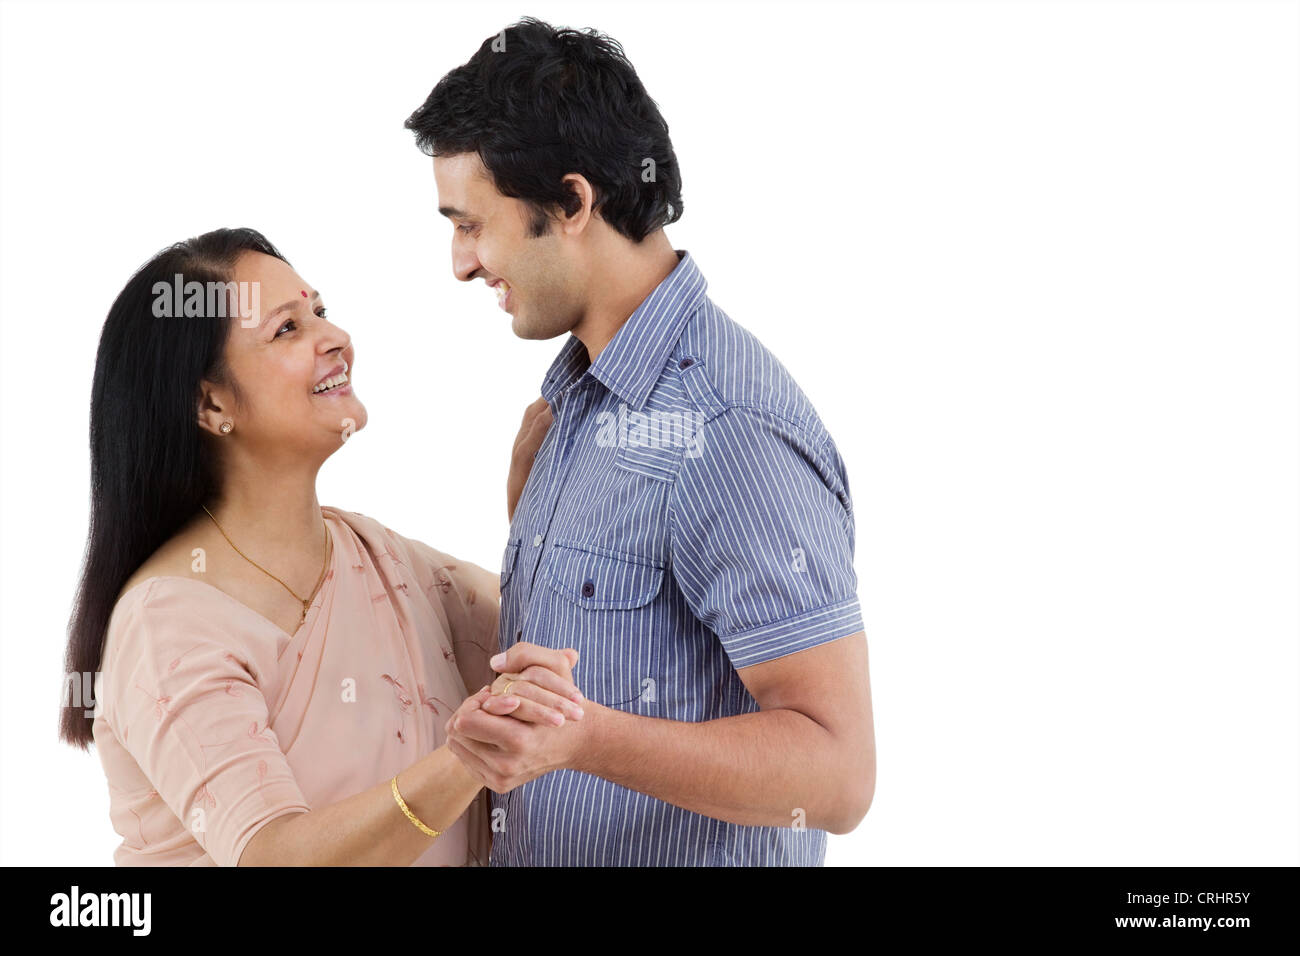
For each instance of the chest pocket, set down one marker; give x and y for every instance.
(602, 580)
(508, 562)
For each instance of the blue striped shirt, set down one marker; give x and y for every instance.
(687, 514)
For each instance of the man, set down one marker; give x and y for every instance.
(686, 526)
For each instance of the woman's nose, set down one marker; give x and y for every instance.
(335, 339)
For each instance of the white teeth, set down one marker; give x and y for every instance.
(502, 290)
(337, 380)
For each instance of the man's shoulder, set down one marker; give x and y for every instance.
(726, 368)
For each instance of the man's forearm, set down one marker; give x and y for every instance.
(769, 768)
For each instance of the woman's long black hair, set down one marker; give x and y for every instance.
(150, 469)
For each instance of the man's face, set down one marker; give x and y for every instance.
(491, 240)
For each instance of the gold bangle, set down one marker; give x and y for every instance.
(427, 831)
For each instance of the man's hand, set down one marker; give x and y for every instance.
(537, 419)
(495, 738)
(542, 691)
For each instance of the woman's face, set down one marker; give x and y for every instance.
(292, 365)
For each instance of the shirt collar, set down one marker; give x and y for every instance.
(633, 360)
(566, 369)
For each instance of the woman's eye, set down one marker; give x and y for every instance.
(321, 312)
(283, 327)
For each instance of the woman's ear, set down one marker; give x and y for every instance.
(214, 409)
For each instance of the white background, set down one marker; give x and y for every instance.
(1034, 263)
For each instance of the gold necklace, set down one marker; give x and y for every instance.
(306, 602)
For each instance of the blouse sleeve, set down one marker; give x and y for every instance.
(471, 598)
(183, 696)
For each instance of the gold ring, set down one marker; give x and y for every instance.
(506, 690)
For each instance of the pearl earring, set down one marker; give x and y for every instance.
(226, 427)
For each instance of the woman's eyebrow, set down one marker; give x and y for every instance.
(285, 307)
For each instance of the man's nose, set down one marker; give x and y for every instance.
(463, 263)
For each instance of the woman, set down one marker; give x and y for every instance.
(275, 676)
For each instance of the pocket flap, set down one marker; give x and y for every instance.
(603, 581)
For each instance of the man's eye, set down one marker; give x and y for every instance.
(283, 327)
(465, 229)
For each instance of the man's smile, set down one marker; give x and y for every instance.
(502, 289)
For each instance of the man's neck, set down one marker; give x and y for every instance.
(633, 271)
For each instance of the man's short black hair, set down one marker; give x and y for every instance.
(552, 102)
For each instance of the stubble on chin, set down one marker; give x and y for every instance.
(534, 332)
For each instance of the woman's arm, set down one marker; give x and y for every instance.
(179, 692)
(369, 829)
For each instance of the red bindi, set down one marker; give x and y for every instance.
(304, 293)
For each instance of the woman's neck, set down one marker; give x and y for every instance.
(273, 518)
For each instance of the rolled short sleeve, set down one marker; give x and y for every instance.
(762, 536)
(181, 695)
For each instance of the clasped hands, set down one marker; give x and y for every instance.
(530, 720)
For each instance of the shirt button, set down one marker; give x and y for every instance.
(537, 541)
(588, 589)
(686, 363)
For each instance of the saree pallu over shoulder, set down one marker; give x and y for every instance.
(466, 597)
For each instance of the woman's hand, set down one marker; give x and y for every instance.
(542, 692)
(522, 698)
(502, 752)
(537, 418)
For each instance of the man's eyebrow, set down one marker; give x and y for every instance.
(451, 212)
(284, 308)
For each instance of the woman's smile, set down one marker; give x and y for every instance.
(334, 384)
